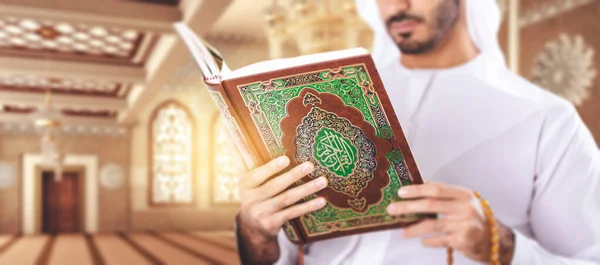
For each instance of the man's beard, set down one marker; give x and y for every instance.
(447, 15)
(415, 47)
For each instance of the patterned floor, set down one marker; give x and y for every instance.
(193, 248)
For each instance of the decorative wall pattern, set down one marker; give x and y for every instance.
(558, 51)
(112, 176)
(566, 67)
(542, 10)
(171, 155)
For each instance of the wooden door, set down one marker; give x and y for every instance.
(60, 203)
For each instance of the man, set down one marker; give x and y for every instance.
(473, 126)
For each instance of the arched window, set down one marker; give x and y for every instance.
(227, 165)
(171, 155)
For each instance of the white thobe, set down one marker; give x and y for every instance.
(523, 149)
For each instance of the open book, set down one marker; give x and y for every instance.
(330, 109)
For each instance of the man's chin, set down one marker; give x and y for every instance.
(413, 48)
(410, 49)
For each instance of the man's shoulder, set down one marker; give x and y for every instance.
(537, 97)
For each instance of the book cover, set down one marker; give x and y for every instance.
(337, 115)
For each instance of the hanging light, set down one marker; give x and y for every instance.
(47, 122)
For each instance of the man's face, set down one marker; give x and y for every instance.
(417, 26)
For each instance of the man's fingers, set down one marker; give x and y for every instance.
(434, 190)
(441, 241)
(445, 233)
(294, 195)
(431, 227)
(282, 182)
(281, 217)
(257, 176)
(450, 208)
(455, 240)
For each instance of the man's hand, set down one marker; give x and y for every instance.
(266, 205)
(461, 224)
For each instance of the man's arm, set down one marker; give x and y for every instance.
(267, 202)
(276, 250)
(565, 209)
(255, 248)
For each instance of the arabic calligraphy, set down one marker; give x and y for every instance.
(359, 174)
(335, 152)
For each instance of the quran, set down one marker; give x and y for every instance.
(330, 109)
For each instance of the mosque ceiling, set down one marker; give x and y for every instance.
(101, 61)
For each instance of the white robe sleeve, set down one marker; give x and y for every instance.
(565, 208)
(288, 254)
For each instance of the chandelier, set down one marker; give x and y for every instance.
(47, 122)
(315, 26)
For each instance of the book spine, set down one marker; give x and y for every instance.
(219, 93)
(234, 124)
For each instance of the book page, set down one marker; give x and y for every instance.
(277, 64)
(206, 60)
